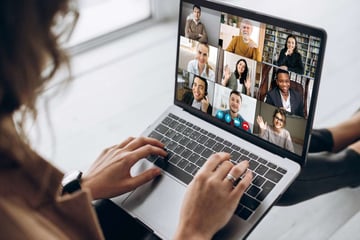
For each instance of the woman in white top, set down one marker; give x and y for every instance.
(200, 66)
(276, 133)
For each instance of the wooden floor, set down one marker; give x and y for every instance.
(115, 85)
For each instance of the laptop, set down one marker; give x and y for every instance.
(193, 128)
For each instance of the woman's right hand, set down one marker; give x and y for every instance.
(261, 122)
(227, 75)
(211, 198)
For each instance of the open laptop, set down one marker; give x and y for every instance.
(192, 131)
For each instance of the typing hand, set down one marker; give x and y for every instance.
(110, 176)
(212, 190)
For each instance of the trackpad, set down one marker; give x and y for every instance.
(157, 204)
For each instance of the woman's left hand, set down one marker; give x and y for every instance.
(110, 175)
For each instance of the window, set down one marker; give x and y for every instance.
(104, 20)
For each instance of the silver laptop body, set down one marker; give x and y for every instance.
(157, 204)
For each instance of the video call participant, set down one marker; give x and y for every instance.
(194, 29)
(290, 58)
(276, 133)
(232, 116)
(200, 65)
(243, 44)
(198, 97)
(283, 96)
(240, 77)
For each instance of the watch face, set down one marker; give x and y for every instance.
(71, 182)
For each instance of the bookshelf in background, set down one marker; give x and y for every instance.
(308, 46)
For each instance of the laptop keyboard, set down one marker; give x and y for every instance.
(188, 148)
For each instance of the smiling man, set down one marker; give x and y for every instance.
(283, 96)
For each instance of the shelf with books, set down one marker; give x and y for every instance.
(275, 40)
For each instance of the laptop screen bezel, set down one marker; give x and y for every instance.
(275, 21)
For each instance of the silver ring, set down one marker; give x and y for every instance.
(231, 178)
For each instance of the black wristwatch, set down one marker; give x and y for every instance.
(71, 182)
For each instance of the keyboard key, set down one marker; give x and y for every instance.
(191, 145)
(235, 156)
(261, 160)
(186, 153)
(253, 164)
(171, 145)
(155, 135)
(243, 151)
(236, 148)
(167, 121)
(253, 156)
(190, 168)
(173, 116)
(219, 139)
(227, 149)
(201, 161)
(199, 148)
(258, 181)
(182, 163)
(194, 158)
(184, 141)
(271, 165)
(249, 202)
(261, 169)
(206, 153)
(202, 139)
(211, 135)
(209, 143)
(174, 159)
(218, 147)
(267, 187)
(194, 135)
(161, 128)
(173, 124)
(243, 212)
(187, 131)
(253, 190)
(273, 176)
(180, 128)
(281, 170)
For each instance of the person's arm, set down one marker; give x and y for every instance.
(282, 58)
(262, 125)
(232, 45)
(211, 189)
(299, 107)
(189, 33)
(203, 37)
(288, 144)
(226, 76)
(247, 86)
(258, 56)
(269, 99)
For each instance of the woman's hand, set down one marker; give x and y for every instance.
(205, 104)
(247, 84)
(211, 198)
(227, 75)
(110, 175)
(262, 124)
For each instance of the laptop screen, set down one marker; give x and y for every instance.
(254, 75)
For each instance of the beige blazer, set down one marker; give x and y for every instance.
(31, 206)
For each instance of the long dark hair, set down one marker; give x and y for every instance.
(29, 56)
(296, 43)
(243, 76)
